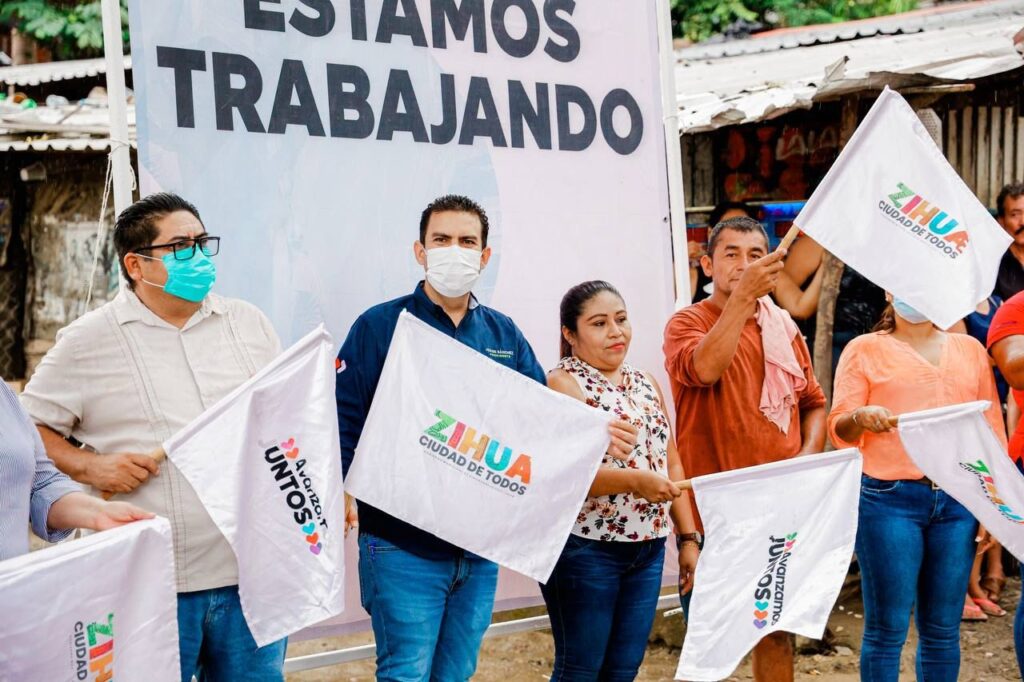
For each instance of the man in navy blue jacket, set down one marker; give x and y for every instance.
(429, 601)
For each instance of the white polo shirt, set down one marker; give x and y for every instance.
(120, 379)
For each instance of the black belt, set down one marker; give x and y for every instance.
(924, 480)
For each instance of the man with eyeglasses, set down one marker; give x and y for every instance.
(123, 378)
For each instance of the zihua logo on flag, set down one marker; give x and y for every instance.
(988, 484)
(93, 650)
(289, 473)
(771, 587)
(498, 470)
(925, 220)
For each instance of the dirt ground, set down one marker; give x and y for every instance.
(987, 650)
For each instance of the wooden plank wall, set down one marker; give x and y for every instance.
(985, 143)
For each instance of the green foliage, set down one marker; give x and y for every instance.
(700, 19)
(70, 29)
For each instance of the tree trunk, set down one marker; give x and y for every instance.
(825, 320)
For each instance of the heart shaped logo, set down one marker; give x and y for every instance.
(761, 605)
(315, 549)
(312, 539)
(288, 445)
(761, 615)
(292, 454)
(309, 528)
(759, 624)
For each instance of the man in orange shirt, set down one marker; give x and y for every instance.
(715, 354)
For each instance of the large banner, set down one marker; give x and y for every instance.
(101, 608)
(956, 447)
(265, 461)
(892, 207)
(773, 560)
(311, 135)
(476, 453)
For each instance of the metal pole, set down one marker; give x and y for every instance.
(117, 103)
(676, 201)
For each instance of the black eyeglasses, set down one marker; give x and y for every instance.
(184, 249)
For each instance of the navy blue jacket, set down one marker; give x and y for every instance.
(361, 361)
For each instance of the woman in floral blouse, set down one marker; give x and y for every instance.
(604, 590)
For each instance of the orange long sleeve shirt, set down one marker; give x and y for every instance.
(720, 427)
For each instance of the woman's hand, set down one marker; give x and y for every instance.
(689, 552)
(351, 514)
(113, 514)
(874, 418)
(624, 437)
(654, 487)
(985, 541)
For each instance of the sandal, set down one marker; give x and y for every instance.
(993, 586)
(989, 607)
(972, 613)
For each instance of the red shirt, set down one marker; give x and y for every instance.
(1009, 321)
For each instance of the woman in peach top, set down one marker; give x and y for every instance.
(915, 543)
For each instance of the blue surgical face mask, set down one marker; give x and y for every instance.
(190, 279)
(908, 312)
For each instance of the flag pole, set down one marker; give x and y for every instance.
(673, 155)
(117, 104)
(790, 237)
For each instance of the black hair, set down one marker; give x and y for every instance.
(572, 307)
(136, 226)
(1011, 191)
(454, 202)
(724, 207)
(737, 224)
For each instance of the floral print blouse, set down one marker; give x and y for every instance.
(623, 517)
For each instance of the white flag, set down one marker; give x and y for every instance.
(100, 609)
(956, 448)
(476, 453)
(266, 463)
(894, 209)
(779, 541)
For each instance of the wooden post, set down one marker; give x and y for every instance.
(831, 277)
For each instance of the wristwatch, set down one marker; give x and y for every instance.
(695, 537)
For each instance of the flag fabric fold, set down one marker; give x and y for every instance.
(779, 538)
(892, 208)
(956, 448)
(476, 453)
(266, 463)
(99, 608)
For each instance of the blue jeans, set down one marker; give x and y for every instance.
(428, 615)
(215, 643)
(601, 598)
(915, 547)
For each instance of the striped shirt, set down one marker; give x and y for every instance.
(29, 482)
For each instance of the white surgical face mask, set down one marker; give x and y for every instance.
(453, 270)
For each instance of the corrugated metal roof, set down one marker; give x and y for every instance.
(731, 90)
(908, 22)
(57, 144)
(34, 74)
